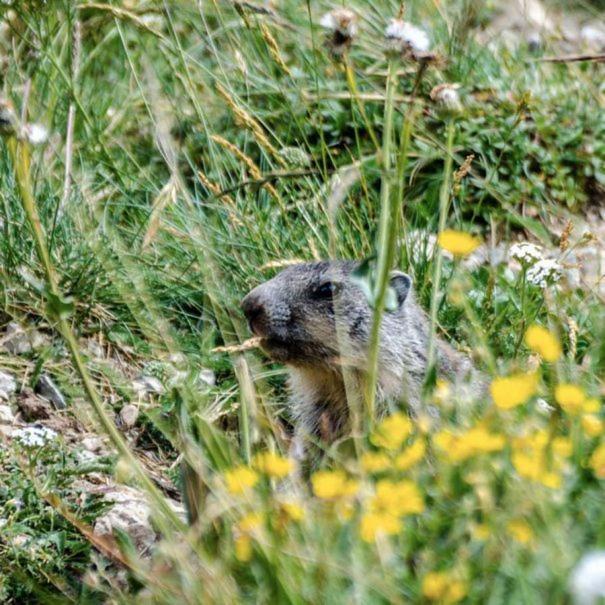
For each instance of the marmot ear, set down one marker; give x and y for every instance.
(401, 283)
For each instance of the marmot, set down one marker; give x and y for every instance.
(316, 319)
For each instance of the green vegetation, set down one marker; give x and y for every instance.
(196, 147)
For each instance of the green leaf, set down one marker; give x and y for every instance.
(58, 306)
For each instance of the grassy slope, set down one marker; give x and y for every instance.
(149, 98)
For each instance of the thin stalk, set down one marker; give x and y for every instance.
(352, 84)
(20, 158)
(384, 247)
(444, 199)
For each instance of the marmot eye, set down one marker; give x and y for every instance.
(326, 290)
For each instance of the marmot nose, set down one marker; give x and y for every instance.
(254, 311)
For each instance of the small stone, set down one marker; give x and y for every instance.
(130, 513)
(128, 415)
(8, 385)
(49, 390)
(144, 385)
(18, 341)
(94, 444)
(206, 377)
(6, 415)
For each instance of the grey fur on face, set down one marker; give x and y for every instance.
(315, 318)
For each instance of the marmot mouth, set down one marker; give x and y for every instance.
(296, 352)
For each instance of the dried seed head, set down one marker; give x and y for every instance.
(447, 98)
(341, 24)
(564, 241)
(405, 38)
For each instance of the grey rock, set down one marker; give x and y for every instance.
(145, 385)
(8, 385)
(206, 378)
(18, 341)
(49, 390)
(128, 416)
(6, 415)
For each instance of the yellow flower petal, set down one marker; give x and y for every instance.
(542, 341)
(458, 243)
(273, 465)
(392, 431)
(570, 397)
(240, 479)
(510, 391)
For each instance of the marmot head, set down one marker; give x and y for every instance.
(317, 314)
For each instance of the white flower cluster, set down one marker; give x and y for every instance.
(587, 582)
(342, 21)
(403, 36)
(35, 436)
(526, 253)
(544, 272)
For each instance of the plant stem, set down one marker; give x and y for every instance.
(352, 84)
(20, 158)
(444, 198)
(384, 246)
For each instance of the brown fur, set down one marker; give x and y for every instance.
(316, 319)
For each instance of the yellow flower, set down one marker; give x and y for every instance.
(373, 524)
(397, 498)
(480, 532)
(475, 441)
(532, 460)
(528, 465)
(330, 485)
(570, 397)
(392, 431)
(293, 510)
(240, 479)
(441, 586)
(442, 392)
(562, 446)
(597, 461)
(243, 548)
(248, 523)
(521, 531)
(374, 462)
(592, 425)
(542, 341)
(551, 480)
(458, 243)
(511, 391)
(410, 456)
(591, 406)
(273, 465)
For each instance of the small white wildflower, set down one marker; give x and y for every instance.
(35, 436)
(402, 36)
(36, 134)
(446, 96)
(587, 581)
(545, 272)
(342, 21)
(526, 253)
